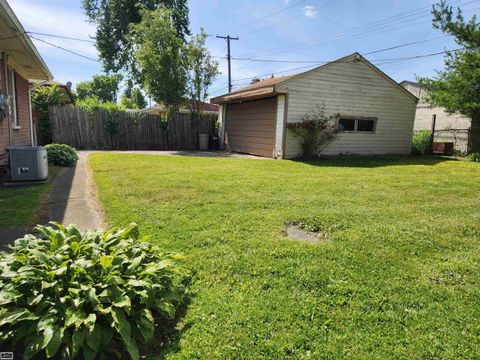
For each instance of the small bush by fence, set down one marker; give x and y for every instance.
(133, 130)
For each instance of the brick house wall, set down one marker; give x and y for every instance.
(20, 135)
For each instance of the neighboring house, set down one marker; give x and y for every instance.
(161, 108)
(66, 89)
(376, 113)
(19, 63)
(454, 128)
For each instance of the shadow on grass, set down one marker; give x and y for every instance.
(168, 333)
(376, 161)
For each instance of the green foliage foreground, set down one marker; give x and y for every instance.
(395, 278)
(85, 295)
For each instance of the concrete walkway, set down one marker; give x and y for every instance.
(210, 154)
(73, 198)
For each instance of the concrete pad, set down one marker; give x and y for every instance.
(73, 198)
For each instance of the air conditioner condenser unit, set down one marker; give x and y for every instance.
(29, 163)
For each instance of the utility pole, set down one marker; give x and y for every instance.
(228, 38)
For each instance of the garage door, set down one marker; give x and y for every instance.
(250, 127)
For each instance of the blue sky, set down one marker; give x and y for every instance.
(286, 30)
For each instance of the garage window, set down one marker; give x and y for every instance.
(357, 124)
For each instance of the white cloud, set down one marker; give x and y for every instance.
(286, 2)
(309, 11)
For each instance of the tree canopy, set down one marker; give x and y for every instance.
(104, 87)
(160, 57)
(132, 97)
(202, 70)
(457, 87)
(113, 19)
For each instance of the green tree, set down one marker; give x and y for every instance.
(42, 97)
(105, 87)
(132, 97)
(457, 88)
(113, 19)
(202, 72)
(160, 54)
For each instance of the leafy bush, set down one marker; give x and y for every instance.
(42, 97)
(92, 103)
(316, 131)
(421, 142)
(473, 157)
(86, 295)
(61, 154)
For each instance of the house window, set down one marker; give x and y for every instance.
(357, 124)
(13, 97)
(347, 125)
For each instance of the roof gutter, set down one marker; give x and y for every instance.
(25, 38)
(268, 91)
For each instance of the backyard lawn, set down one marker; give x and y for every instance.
(395, 277)
(22, 205)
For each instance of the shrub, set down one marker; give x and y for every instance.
(87, 295)
(421, 142)
(316, 131)
(61, 154)
(475, 157)
(42, 97)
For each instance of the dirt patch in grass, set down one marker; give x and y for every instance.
(295, 232)
(311, 229)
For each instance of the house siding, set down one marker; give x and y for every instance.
(22, 135)
(448, 127)
(352, 88)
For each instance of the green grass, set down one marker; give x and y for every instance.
(21, 205)
(398, 278)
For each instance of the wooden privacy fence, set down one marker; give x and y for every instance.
(127, 130)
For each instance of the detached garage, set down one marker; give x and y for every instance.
(378, 111)
(250, 126)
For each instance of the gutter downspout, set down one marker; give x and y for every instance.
(30, 116)
(5, 69)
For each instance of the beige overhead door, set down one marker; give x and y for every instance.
(250, 127)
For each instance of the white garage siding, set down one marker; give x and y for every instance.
(353, 88)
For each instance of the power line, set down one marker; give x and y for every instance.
(317, 62)
(267, 16)
(386, 61)
(364, 29)
(64, 49)
(92, 40)
(285, 21)
(407, 44)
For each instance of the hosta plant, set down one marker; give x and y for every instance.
(61, 154)
(69, 294)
